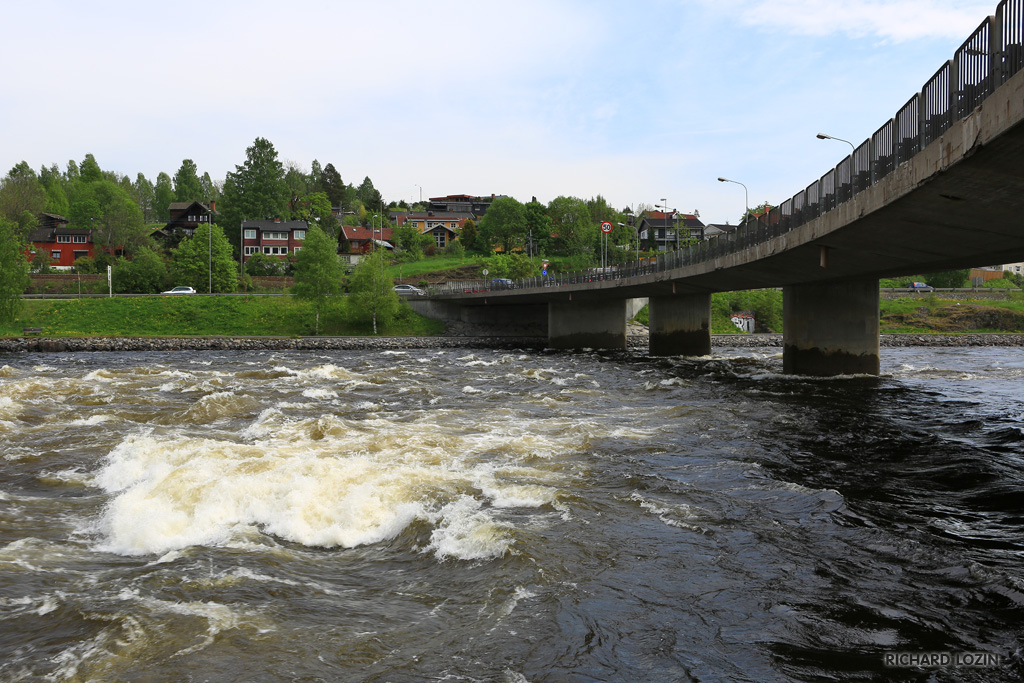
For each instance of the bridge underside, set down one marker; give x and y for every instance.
(956, 204)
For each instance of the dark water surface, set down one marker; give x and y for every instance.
(494, 516)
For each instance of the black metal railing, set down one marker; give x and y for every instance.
(986, 60)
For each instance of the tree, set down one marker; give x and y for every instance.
(90, 169)
(538, 223)
(54, 183)
(468, 235)
(332, 185)
(106, 208)
(144, 274)
(369, 195)
(163, 195)
(192, 263)
(187, 186)
(22, 197)
(510, 265)
(373, 291)
(504, 224)
(571, 222)
(949, 279)
(210, 191)
(317, 271)
(298, 187)
(144, 194)
(13, 271)
(315, 175)
(255, 190)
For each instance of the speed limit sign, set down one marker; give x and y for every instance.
(606, 226)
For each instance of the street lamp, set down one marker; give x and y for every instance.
(746, 195)
(822, 136)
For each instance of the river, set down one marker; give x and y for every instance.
(474, 515)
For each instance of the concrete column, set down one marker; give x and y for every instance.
(587, 324)
(680, 325)
(831, 329)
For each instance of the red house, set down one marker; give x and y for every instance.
(272, 238)
(63, 244)
(360, 238)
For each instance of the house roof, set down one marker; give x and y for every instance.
(178, 206)
(362, 232)
(658, 219)
(48, 234)
(276, 225)
(440, 215)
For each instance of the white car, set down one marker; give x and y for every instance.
(180, 290)
(409, 290)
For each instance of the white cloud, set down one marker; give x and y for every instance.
(890, 20)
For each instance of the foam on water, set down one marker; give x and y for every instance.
(327, 481)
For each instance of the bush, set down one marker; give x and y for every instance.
(86, 265)
(261, 265)
(145, 274)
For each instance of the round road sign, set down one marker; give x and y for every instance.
(606, 226)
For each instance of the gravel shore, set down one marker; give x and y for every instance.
(636, 341)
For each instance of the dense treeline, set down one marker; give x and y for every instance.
(122, 212)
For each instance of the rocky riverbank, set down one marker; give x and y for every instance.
(636, 341)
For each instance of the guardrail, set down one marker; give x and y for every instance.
(986, 60)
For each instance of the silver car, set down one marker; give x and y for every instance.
(409, 290)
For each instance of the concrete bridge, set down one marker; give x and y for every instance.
(940, 186)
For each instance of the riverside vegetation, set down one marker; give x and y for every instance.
(206, 316)
(290, 317)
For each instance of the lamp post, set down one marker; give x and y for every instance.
(822, 136)
(746, 196)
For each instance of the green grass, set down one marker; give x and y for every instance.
(204, 316)
(432, 264)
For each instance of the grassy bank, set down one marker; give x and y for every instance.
(914, 313)
(204, 316)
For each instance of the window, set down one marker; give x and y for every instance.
(296, 250)
(64, 239)
(439, 238)
(276, 251)
(80, 239)
(454, 225)
(55, 254)
(300, 235)
(250, 234)
(80, 254)
(267, 235)
(249, 251)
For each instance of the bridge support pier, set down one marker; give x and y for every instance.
(587, 324)
(680, 325)
(831, 328)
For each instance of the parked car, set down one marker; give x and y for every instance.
(180, 290)
(921, 287)
(409, 290)
(502, 283)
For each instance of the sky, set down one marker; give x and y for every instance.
(639, 101)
